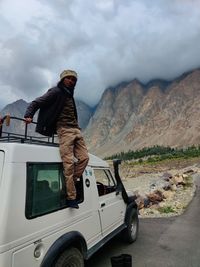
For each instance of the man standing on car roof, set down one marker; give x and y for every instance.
(58, 114)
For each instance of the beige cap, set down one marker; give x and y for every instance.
(66, 73)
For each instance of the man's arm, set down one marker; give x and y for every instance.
(42, 101)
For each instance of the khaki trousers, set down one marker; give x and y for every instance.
(72, 144)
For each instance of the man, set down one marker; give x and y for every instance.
(58, 114)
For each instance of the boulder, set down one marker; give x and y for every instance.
(167, 187)
(167, 176)
(190, 171)
(168, 194)
(140, 202)
(173, 187)
(155, 197)
(177, 179)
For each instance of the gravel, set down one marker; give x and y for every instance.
(149, 182)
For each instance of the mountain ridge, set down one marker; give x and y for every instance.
(133, 115)
(155, 117)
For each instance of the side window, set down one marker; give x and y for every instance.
(46, 190)
(105, 181)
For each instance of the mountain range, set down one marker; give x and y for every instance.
(134, 115)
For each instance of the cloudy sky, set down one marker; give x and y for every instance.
(105, 41)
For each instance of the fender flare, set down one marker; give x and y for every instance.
(73, 238)
(129, 208)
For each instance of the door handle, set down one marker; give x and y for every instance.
(103, 205)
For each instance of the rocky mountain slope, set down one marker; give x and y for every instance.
(136, 116)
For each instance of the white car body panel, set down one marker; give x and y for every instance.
(19, 236)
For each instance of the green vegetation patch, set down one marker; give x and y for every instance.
(157, 153)
(167, 209)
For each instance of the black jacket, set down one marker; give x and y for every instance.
(50, 105)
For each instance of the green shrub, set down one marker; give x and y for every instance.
(158, 153)
(167, 209)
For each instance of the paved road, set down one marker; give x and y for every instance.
(163, 242)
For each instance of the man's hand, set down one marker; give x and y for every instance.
(28, 120)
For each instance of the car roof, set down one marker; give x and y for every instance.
(22, 152)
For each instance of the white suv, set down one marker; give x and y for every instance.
(37, 229)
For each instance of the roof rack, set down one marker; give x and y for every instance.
(10, 137)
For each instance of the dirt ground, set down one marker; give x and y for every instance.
(142, 179)
(131, 169)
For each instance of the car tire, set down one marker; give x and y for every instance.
(130, 233)
(71, 257)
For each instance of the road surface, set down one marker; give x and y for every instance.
(162, 242)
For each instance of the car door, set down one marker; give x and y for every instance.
(111, 204)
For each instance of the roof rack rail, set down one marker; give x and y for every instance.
(10, 137)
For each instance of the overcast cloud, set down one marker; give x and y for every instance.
(105, 41)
